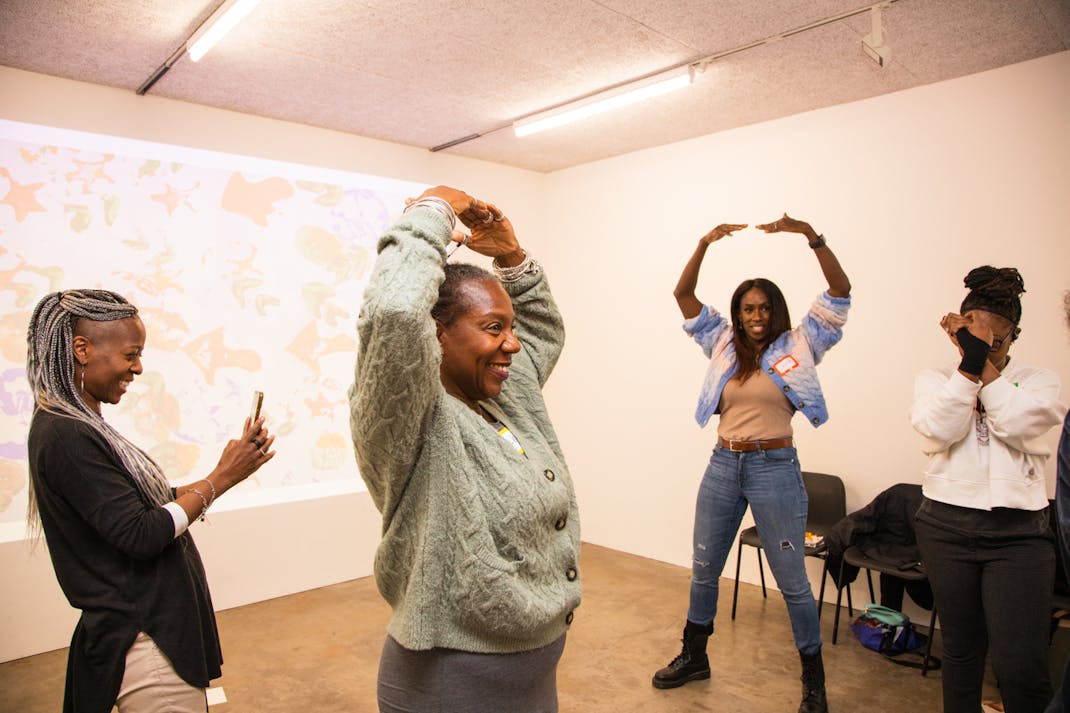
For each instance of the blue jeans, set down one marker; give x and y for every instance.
(770, 481)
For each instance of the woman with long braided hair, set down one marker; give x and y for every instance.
(116, 529)
(983, 525)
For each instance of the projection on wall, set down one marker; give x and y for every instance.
(248, 275)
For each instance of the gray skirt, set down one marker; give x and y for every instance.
(450, 681)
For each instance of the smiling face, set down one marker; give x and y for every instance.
(755, 315)
(478, 345)
(109, 355)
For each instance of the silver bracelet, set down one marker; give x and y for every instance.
(204, 502)
(211, 499)
(512, 274)
(439, 205)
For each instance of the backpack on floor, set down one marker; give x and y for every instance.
(890, 634)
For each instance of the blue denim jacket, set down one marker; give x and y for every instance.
(790, 360)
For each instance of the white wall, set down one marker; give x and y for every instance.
(911, 189)
(256, 554)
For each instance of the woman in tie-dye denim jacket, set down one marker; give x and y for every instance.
(755, 463)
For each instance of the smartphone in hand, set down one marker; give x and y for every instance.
(258, 401)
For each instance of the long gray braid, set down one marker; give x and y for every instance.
(50, 371)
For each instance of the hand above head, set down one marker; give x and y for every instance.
(787, 224)
(460, 201)
(722, 231)
(492, 233)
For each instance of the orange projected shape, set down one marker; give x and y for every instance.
(210, 354)
(89, 172)
(21, 197)
(256, 201)
(173, 198)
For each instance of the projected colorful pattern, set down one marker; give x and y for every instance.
(248, 275)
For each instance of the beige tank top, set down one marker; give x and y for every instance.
(754, 410)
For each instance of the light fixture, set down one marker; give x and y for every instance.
(222, 21)
(873, 43)
(624, 95)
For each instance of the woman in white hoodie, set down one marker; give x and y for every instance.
(983, 524)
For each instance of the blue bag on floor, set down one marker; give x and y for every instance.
(887, 631)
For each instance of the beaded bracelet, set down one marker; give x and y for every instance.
(204, 502)
(512, 274)
(439, 205)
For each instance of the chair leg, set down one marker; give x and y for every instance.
(869, 581)
(761, 572)
(735, 590)
(821, 595)
(839, 597)
(929, 644)
(850, 605)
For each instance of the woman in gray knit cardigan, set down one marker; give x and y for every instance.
(479, 557)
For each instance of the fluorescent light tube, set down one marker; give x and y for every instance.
(605, 101)
(220, 23)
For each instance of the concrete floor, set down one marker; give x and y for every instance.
(318, 652)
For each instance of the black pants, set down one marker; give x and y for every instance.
(994, 594)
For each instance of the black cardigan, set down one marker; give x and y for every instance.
(883, 530)
(116, 559)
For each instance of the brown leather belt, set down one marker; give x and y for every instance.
(748, 446)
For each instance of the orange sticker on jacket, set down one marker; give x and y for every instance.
(785, 365)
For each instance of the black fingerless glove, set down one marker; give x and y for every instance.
(974, 352)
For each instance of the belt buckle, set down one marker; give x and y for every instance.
(732, 446)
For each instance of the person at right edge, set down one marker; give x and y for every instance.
(1060, 703)
(983, 526)
(761, 372)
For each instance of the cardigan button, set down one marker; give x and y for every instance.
(800, 404)
(815, 419)
(570, 574)
(787, 388)
(549, 475)
(568, 618)
(560, 524)
(771, 370)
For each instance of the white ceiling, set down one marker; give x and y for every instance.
(427, 72)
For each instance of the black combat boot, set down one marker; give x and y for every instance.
(813, 683)
(692, 664)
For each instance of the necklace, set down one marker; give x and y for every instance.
(981, 426)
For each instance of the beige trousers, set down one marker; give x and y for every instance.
(150, 684)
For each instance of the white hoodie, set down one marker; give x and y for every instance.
(1019, 407)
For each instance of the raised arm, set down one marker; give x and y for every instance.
(689, 304)
(396, 382)
(839, 285)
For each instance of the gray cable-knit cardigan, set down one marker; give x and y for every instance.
(480, 545)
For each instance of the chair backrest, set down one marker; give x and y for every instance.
(828, 500)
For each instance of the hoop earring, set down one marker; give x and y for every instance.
(82, 384)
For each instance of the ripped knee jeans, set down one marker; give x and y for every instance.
(770, 482)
